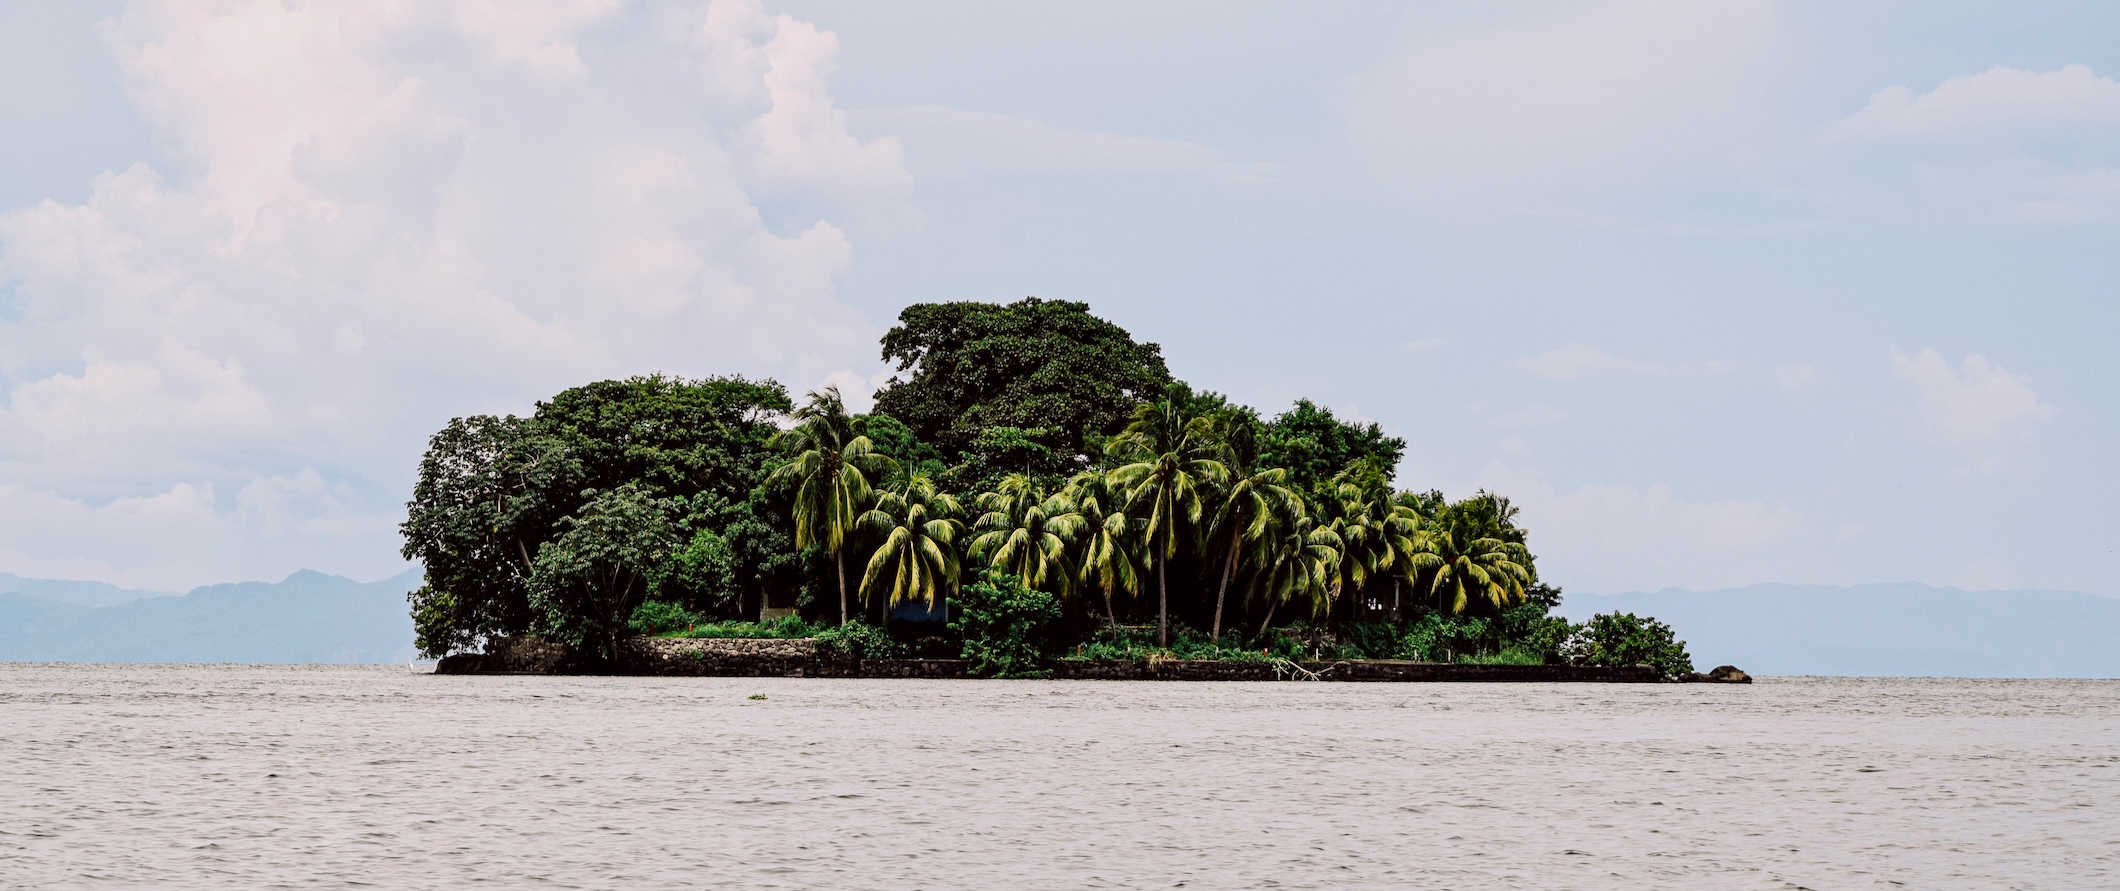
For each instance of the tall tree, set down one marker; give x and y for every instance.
(590, 578)
(1380, 535)
(1171, 454)
(1461, 573)
(916, 558)
(1024, 532)
(829, 475)
(1300, 565)
(1245, 512)
(965, 367)
(1314, 445)
(1108, 548)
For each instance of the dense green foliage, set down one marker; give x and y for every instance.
(1033, 476)
(1046, 365)
(1628, 639)
(492, 492)
(1005, 626)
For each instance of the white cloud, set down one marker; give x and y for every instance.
(1799, 377)
(2005, 99)
(1424, 344)
(1975, 402)
(952, 142)
(1571, 362)
(348, 243)
(1609, 538)
(1578, 87)
(2006, 144)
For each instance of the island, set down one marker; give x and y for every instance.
(1033, 494)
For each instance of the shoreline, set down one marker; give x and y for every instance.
(798, 658)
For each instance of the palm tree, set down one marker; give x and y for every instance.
(1464, 571)
(1381, 534)
(1172, 452)
(1248, 508)
(917, 559)
(1301, 563)
(1108, 550)
(829, 469)
(1024, 532)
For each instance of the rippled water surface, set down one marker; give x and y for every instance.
(299, 776)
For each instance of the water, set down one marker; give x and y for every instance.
(300, 776)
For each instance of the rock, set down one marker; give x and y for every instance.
(1727, 674)
(459, 663)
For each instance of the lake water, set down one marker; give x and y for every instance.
(298, 776)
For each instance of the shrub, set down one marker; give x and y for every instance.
(1621, 639)
(1006, 627)
(857, 640)
(1510, 656)
(655, 617)
(1434, 637)
(784, 627)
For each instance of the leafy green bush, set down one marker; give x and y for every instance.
(1133, 644)
(1434, 637)
(782, 628)
(1006, 627)
(656, 617)
(1621, 639)
(1510, 656)
(857, 640)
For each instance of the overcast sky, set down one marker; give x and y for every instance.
(1719, 293)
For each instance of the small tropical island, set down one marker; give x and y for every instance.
(1033, 495)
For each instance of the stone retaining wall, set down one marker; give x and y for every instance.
(758, 657)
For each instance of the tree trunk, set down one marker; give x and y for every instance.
(1162, 604)
(1229, 568)
(839, 560)
(1270, 605)
(1110, 613)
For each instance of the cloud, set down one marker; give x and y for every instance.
(2005, 144)
(347, 243)
(1976, 402)
(1424, 344)
(1798, 378)
(2004, 99)
(1608, 538)
(1575, 88)
(1571, 362)
(953, 142)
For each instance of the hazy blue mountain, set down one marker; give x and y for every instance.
(306, 617)
(1898, 629)
(76, 593)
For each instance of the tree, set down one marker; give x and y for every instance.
(997, 452)
(965, 367)
(1024, 532)
(1254, 498)
(917, 555)
(487, 498)
(492, 490)
(1301, 564)
(829, 476)
(1380, 535)
(589, 579)
(1172, 453)
(1108, 550)
(1314, 446)
(1461, 572)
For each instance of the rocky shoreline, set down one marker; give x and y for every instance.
(798, 657)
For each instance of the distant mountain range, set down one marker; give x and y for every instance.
(1884, 630)
(306, 617)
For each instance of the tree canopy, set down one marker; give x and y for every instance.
(1046, 365)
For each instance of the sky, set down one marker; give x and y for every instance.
(1718, 294)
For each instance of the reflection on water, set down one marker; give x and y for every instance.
(237, 775)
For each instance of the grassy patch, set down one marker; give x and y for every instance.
(790, 627)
